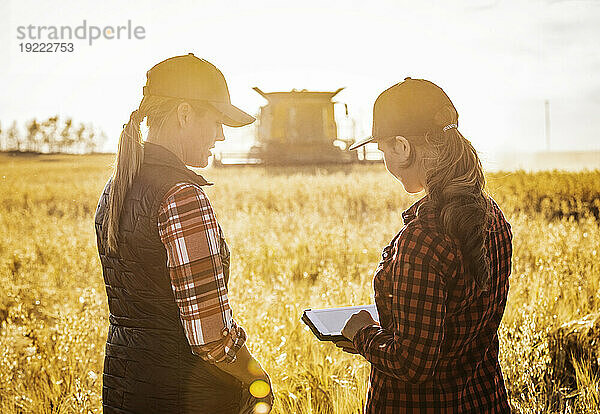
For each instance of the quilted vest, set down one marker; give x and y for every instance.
(149, 366)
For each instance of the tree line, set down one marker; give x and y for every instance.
(51, 135)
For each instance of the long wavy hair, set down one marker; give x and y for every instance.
(129, 157)
(455, 186)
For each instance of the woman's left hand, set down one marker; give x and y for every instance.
(357, 321)
(346, 346)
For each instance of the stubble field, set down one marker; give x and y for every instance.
(300, 238)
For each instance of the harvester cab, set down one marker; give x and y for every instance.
(298, 127)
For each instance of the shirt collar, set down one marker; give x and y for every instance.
(410, 213)
(155, 154)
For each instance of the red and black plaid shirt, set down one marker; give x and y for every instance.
(436, 350)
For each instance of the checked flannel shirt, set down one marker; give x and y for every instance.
(196, 250)
(436, 350)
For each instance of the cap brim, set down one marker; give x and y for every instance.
(360, 143)
(232, 116)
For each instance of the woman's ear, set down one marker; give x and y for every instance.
(401, 148)
(184, 112)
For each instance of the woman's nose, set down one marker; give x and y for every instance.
(220, 135)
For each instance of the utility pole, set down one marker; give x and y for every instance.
(547, 107)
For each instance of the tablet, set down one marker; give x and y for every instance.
(327, 324)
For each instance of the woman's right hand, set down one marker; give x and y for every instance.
(258, 393)
(255, 382)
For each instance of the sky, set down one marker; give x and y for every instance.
(499, 61)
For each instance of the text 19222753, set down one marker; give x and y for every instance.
(46, 47)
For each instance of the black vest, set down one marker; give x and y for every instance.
(149, 366)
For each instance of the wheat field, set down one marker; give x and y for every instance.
(300, 238)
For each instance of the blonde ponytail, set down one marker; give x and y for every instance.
(127, 165)
(129, 159)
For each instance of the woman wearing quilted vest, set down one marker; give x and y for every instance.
(442, 283)
(173, 345)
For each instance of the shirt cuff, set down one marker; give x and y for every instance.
(362, 337)
(224, 350)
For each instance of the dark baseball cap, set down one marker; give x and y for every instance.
(189, 77)
(408, 108)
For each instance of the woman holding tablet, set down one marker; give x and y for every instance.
(442, 283)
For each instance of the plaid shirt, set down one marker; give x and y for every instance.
(195, 250)
(436, 350)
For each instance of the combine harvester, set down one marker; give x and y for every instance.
(295, 128)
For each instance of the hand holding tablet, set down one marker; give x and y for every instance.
(327, 324)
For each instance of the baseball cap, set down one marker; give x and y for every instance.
(189, 77)
(407, 108)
